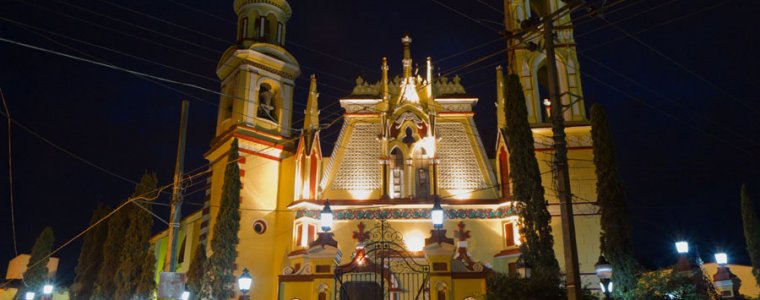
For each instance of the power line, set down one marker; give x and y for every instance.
(10, 173)
(131, 24)
(108, 49)
(687, 124)
(465, 16)
(499, 11)
(683, 67)
(669, 21)
(639, 84)
(64, 150)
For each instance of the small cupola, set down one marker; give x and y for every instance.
(262, 21)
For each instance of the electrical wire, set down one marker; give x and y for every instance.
(683, 67)
(10, 174)
(685, 123)
(465, 16)
(713, 123)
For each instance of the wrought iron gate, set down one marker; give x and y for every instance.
(382, 269)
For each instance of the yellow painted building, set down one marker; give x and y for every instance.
(406, 139)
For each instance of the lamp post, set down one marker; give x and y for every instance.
(244, 283)
(326, 217)
(436, 214)
(523, 268)
(604, 272)
(684, 263)
(682, 247)
(725, 282)
(47, 291)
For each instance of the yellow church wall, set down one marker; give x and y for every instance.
(283, 228)
(259, 202)
(463, 288)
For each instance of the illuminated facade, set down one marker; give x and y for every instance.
(405, 140)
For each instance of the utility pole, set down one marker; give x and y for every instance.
(176, 204)
(507, 35)
(572, 277)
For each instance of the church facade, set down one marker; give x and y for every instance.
(407, 138)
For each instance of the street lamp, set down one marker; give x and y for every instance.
(721, 259)
(523, 268)
(47, 289)
(244, 282)
(437, 213)
(682, 247)
(29, 296)
(604, 272)
(185, 295)
(326, 217)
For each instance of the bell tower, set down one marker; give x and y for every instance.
(257, 81)
(257, 73)
(528, 60)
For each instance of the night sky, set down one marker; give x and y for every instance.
(680, 93)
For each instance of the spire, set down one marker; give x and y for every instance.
(407, 42)
(501, 119)
(311, 120)
(384, 69)
(429, 78)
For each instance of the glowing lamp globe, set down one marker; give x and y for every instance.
(437, 214)
(245, 281)
(603, 269)
(682, 247)
(47, 289)
(185, 295)
(721, 258)
(29, 296)
(326, 217)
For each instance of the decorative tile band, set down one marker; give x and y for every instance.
(412, 213)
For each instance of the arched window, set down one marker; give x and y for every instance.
(280, 33)
(243, 28)
(267, 103)
(421, 173)
(542, 78)
(262, 27)
(397, 173)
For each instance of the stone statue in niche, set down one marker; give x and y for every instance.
(266, 103)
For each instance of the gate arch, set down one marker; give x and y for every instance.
(382, 269)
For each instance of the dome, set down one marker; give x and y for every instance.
(281, 4)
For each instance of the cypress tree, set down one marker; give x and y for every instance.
(105, 285)
(225, 235)
(616, 243)
(135, 273)
(538, 248)
(90, 257)
(751, 232)
(196, 272)
(36, 273)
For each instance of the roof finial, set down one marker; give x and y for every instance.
(407, 61)
(311, 120)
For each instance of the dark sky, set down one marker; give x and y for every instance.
(681, 99)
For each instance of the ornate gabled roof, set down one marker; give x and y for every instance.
(442, 87)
